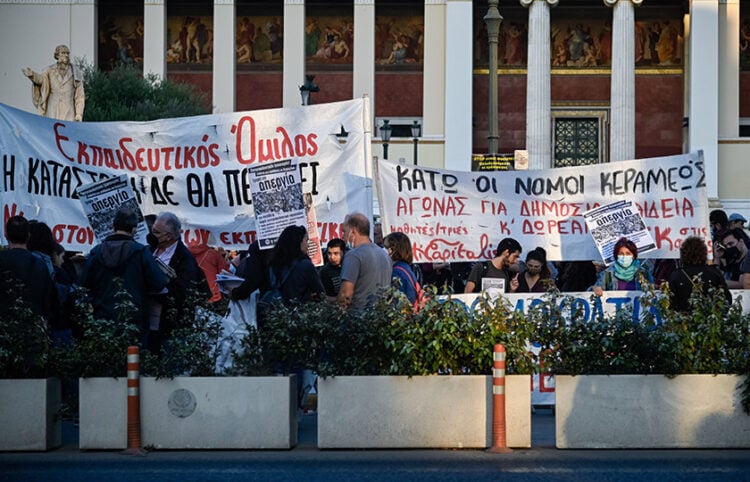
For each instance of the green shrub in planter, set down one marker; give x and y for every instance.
(25, 345)
(389, 339)
(712, 338)
(101, 348)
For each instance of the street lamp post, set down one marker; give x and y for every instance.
(416, 131)
(308, 88)
(385, 135)
(493, 20)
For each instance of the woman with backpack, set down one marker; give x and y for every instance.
(398, 246)
(291, 273)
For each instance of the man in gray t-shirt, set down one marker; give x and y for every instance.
(367, 267)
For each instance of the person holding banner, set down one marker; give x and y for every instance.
(507, 253)
(537, 278)
(626, 273)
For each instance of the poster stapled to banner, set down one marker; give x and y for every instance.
(102, 199)
(616, 220)
(314, 247)
(277, 198)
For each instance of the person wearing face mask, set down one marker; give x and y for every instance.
(366, 270)
(507, 253)
(537, 277)
(626, 273)
(732, 249)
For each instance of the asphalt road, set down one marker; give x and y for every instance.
(306, 463)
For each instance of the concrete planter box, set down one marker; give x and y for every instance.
(419, 412)
(29, 414)
(192, 413)
(649, 412)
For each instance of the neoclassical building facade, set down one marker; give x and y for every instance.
(578, 81)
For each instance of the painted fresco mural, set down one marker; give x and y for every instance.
(399, 40)
(584, 44)
(329, 39)
(260, 39)
(120, 41)
(190, 39)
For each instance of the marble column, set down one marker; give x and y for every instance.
(729, 68)
(83, 30)
(294, 52)
(224, 65)
(538, 89)
(622, 96)
(364, 53)
(703, 113)
(433, 83)
(155, 37)
(458, 85)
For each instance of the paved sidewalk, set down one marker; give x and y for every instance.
(307, 463)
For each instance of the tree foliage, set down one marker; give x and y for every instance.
(124, 94)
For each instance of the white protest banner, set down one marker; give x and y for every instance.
(613, 221)
(196, 167)
(461, 216)
(102, 199)
(277, 199)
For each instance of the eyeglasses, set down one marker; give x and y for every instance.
(533, 266)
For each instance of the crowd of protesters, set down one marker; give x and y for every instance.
(164, 278)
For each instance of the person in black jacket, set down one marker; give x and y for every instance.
(187, 285)
(120, 263)
(23, 276)
(694, 272)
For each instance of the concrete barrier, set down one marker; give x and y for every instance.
(192, 413)
(29, 414)
(419, 412)
(649, 412)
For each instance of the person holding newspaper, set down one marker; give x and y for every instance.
(187, 286)
(626, 273)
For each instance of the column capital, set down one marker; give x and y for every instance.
(551, 3)
(612, 3)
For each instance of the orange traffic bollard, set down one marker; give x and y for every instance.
(499, 442)
(134, 403)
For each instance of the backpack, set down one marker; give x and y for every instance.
(421, 297)
(273, 295)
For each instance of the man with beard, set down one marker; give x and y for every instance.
(732, 250)
(57, 91)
